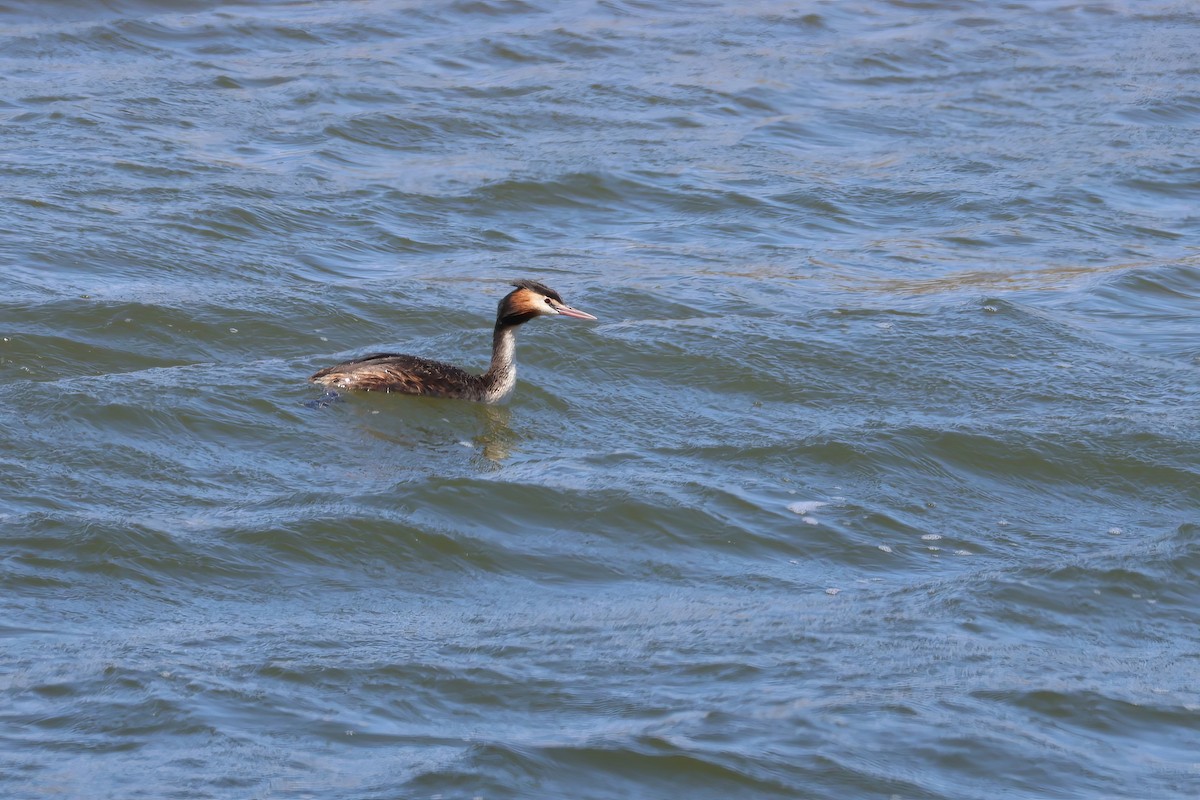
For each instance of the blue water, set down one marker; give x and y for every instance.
(875, 478)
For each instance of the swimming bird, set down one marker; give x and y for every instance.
(392, 372)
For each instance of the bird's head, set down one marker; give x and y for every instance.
(531, 299)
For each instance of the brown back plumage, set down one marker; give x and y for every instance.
(391, 372)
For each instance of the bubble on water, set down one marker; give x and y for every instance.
(832, 591)
(810, 520)
(931, 537)
(1003, 523)
(990, 309)
(962, 552)
(805, 507)
(883, 326)
(1114, 531)
(233, 330)
(885, 548)
(324, 338)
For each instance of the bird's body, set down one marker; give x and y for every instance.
(405, 374)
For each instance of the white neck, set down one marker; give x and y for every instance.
(501, 376)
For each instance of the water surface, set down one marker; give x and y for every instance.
(876, 478)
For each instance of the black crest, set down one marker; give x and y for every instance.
(540, 288)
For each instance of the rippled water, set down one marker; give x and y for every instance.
(876, 478)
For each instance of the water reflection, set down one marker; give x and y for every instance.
(429, 424)
(497, 441)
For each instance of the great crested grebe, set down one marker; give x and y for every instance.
(391, 372)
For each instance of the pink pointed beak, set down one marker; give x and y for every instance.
(574, 313)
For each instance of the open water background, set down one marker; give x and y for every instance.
(877, 478)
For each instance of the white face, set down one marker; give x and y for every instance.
(548, 305)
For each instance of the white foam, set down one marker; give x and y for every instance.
(805, 507)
